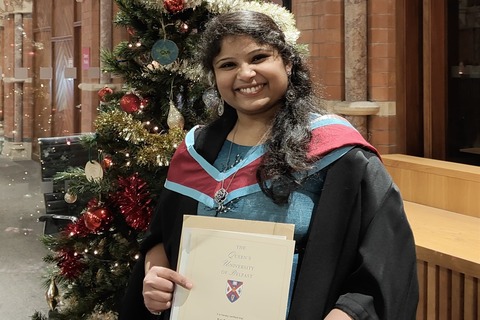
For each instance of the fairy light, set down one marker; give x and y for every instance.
(184, 27)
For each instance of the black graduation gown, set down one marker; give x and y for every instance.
(359, 256)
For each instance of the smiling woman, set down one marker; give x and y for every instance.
(251, 78)
(274, 155)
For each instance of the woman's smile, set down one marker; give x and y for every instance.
(251, 90)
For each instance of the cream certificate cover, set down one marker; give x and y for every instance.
(235, 275)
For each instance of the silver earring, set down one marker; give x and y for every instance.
(220, 108)
(211, 98)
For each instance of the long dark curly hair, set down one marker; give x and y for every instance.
(287, 146)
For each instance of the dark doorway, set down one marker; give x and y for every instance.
(463, 128)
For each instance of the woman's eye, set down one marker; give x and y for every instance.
(260, 58)
(227, 65)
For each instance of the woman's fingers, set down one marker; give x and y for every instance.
(173, 276)
(158, 286)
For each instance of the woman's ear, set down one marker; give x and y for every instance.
(288, 69)
(211, 79)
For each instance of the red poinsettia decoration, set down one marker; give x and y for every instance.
(70, 263)
(134, 201)
(174, 6)
(77, 228)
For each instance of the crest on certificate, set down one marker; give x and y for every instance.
(234, 290)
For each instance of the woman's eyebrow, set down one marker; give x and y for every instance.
(253, 52)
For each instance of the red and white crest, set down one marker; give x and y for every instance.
(234, 290)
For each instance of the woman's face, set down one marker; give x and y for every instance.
(250, 77)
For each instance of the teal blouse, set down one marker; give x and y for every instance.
(257, 206)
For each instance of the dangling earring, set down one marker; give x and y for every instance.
(220, 107)
(213, 101)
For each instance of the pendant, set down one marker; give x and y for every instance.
(220, 196)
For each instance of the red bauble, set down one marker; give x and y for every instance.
(94, 218)
(107, 162)
(174, 6)
(130, 103)
(102, 93)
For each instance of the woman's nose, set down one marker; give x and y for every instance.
(245, 72)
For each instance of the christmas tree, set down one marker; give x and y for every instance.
(138, 128)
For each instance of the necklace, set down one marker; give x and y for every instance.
(221, 194)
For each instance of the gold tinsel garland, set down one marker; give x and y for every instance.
(154, 149)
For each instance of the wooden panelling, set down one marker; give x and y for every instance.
(442, 204)
(408, 77)
(445, 238)
(434, 77)
(64, 14)
(63, 57)
(446, 294)
(64, 108)
(440, 184)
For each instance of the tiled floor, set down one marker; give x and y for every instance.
(21, 252)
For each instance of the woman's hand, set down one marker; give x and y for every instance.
(337, 314)
(158, 286)
(160, 280)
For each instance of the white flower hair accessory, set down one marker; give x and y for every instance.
(283, 17)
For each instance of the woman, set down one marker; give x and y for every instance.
(355, 254)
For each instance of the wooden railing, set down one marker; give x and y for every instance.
(442, 202)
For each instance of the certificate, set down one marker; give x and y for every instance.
(236, 275)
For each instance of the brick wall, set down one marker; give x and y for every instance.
(321, 24)
(382, 73)
(322, 27)
(381, 50)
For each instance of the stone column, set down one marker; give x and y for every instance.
(355, 50)
(355, 107)
(17, 144)
(18, 92)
